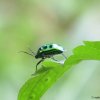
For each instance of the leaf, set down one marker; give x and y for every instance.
(93, 44)
(36, 86)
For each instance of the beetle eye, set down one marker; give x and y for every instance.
(50, 46)
(40, 49)
(45, 47)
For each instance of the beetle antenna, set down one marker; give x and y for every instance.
(26, 53)
(32, 51)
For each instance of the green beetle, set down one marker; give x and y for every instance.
(47, 51)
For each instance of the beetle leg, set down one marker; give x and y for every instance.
(53, 58)
(39, 63)
(64, 56)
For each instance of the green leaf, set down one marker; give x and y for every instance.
(93, 44)
(46, 76)
(38, 84)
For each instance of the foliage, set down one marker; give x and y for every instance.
(46, 76)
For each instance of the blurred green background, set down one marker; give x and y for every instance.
(32, 23)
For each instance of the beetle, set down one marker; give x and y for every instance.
(47, 51)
